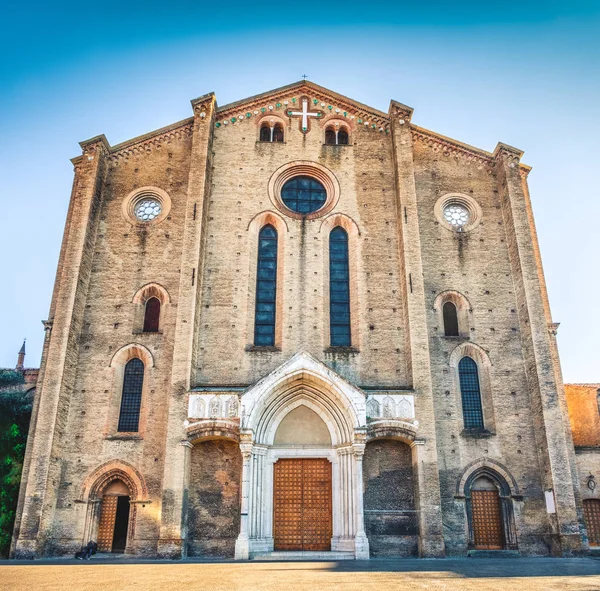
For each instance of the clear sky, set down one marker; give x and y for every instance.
(526, 73)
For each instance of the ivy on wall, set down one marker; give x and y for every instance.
(15, 413)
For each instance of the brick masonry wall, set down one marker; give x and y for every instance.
(476, 264)
(206, 337)
(391, 521)
(214, 498)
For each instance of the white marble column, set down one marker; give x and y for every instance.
(242, 544)
(361, 543)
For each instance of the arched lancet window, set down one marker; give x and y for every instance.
(450, 320)
(330, 136)
(131, 397)
(342, 137)
(278, 133)
(266, 287)
(265, 133)
(470, 393)
(339, 288)
(152, 315)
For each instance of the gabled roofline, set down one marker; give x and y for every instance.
(298, 85)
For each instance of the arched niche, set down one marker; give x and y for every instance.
(302, 426)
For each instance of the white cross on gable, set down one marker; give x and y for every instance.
(305, 113)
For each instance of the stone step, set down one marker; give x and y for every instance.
(493, 554)
(303, 555)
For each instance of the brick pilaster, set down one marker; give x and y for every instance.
(172, 542)
(550, 419)
(425, 460)
(60, 351)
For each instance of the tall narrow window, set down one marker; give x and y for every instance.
(470, 393)
(278, 133)
(330, 136)
(266, 287)
(265, 133)
(152, 315)
(131, 398)
(450, 320)
(339, 288)
(342, 137)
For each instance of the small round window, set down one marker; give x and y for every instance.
(303, 194)
(147, 209)
(456, 215)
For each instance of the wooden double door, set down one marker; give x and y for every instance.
(302, 504)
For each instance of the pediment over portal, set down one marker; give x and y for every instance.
(304, 376)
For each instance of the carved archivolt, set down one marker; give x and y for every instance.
(113, 470)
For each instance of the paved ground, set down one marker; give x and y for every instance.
(464, 574)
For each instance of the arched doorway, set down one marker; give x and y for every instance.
(335, 409)
(302, 504)
(490, 511)
(113, 526)
(591, 514)
(391, 519)
(487, 515)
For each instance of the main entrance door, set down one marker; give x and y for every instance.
(302, 504)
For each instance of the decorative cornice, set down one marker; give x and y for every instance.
(321, 100)
(149, 142)
(403, 112)
(449, 147)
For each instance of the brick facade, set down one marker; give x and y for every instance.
(209, 393)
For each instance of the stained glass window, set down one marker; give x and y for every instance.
(266, 287)
(470, 393)
(303, 194)
(131, 398)
(450, 320)
(339, 288)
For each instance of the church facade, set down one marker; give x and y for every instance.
(296, 323)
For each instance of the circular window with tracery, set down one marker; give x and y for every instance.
(146, 205)
(303, 194)
(456, 215)
(458, 212)
(147, 210)
(304, 189)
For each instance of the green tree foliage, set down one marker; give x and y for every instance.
(15, 412)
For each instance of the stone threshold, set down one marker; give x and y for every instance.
(302, 555)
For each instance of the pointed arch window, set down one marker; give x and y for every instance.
(450, 319)
(339, 289)
(266, 288)
(152, 315)
(131, 397)
(470, 392)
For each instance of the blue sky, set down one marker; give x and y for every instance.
(527, 74)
